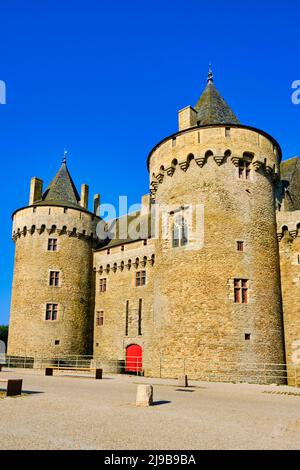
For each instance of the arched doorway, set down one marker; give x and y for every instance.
(134, 358)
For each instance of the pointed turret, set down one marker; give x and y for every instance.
(212, 108)
(62, 189)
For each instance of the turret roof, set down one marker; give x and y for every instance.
(212, 108)
(62, 189)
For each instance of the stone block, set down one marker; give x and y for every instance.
(183, 381)
(144, 395)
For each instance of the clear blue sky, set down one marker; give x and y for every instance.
(105, 80)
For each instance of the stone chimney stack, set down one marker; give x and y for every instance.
(84, 197)
(36, 190)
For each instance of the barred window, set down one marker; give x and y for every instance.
(52, 244)
(140, 279)
(241, 290)
(54, 279)
(51, 312)
(103, 284)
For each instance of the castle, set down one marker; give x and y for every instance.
(217, 281)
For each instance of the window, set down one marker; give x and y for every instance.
(240, 246)
(227, 131)
(52, 244)
(103, 285)
(174, 142)
(180, 232)
(100, 318)
(51, 311)
(298, 259)
(122, 247)
(108, 251)
(241, 291)
(140, 279)
(56, 342)
(244, 170)
(54, 279)
(247, 336)
(127, 318)
(140, 317)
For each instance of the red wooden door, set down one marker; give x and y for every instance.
(134, 358)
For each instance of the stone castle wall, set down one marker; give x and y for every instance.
(289, 245)
(119, 269)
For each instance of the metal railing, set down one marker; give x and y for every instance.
(170, 367)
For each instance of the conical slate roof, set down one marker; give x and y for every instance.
(62, 189)
(212, 108)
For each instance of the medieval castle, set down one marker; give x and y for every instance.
(223, 290)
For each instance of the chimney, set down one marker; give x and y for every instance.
(36, 190)
(84, 197)
(97, 204)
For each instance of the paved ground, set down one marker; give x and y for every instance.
(66, 412)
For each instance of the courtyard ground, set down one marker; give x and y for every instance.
(67, 412)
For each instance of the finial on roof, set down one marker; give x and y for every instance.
(65, 156)
(210, 76)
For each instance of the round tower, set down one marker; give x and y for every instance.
(51, 311)
(217, 296)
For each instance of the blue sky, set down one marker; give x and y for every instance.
(105, 79)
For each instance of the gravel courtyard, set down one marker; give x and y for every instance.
(67, 412)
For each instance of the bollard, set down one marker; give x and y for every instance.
(183, 381)
(144, 395)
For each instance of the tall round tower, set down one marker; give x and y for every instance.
(51, 311)
(217, 297)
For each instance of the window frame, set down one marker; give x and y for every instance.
(140, 278)
(52, 310)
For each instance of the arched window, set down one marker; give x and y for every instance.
(180, 236)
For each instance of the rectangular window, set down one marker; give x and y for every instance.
(127, 318)
(244, 170)
(240, 246)
(54, 279)
(51, 312)
(52, 244)
(103, 285)
(298, 259)
(227, 131)
(140, 279)
(140, 317)
(100, 318)
(241, 291)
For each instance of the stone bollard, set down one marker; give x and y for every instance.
(183, 381)
(144, 395)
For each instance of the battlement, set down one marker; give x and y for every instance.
(288, 222)
(54, 219)
(222, 144)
